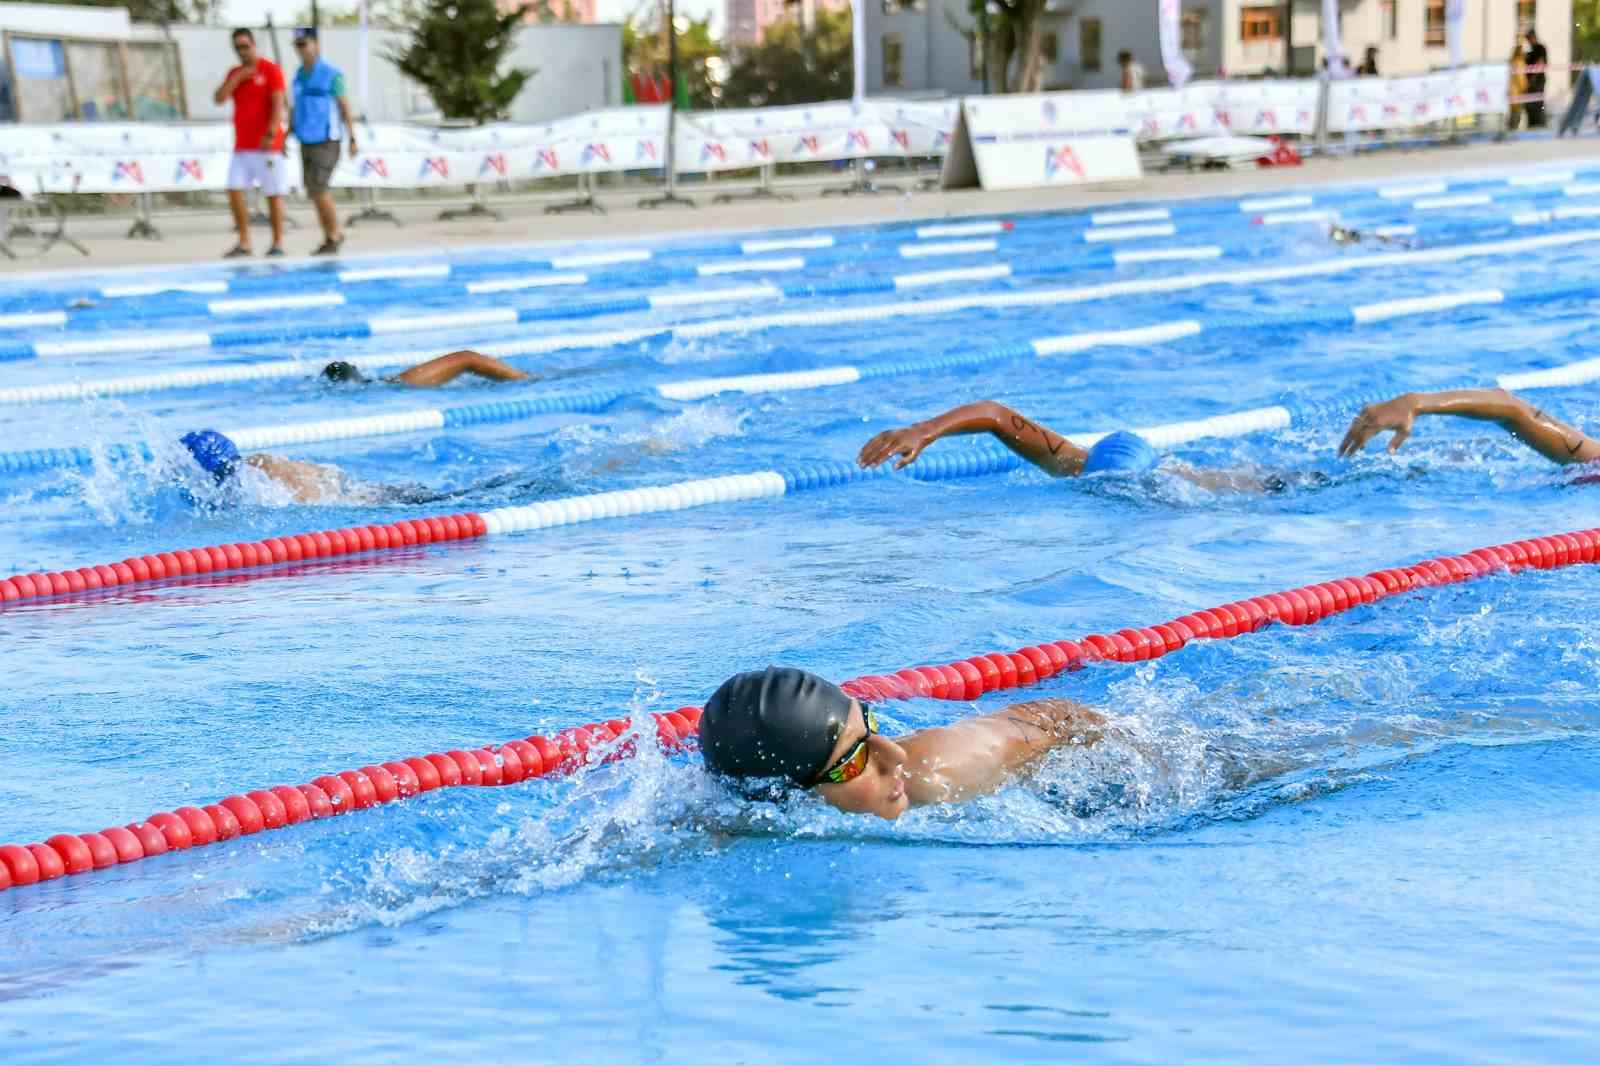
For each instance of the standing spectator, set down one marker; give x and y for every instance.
(259, 113)
(318, 86)
(1516, 87)
(1369, 65)
(1132, 72)
(1537, 58)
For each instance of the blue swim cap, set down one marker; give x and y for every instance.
(1122, 453)
(215, 453)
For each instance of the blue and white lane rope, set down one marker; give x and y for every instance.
(595, 401)
(834, 316)
(318, 272)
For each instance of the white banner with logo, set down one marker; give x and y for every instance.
(1019, 142)
(1257, 108)
(1170, 29)
(708, 141)
(1399, 103)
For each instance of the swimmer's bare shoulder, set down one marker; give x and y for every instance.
(977, 755)
(308, 482)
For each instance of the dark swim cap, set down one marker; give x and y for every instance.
(215, 453)
(778, 722)
(343, 371)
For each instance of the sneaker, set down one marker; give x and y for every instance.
(275, 252)
(239, 252)
(329, 247)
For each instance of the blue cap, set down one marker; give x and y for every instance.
(216, 454)
(1123, 453)
(305, 33)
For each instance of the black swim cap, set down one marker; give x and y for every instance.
(342, 371)
(777, 722)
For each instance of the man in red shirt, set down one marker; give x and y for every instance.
(260, 120)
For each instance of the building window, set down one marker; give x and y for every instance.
(1433, 28)
(1260, 24)
(1192, 33)
(1389, 12)
(1050, 48)
(1089, 44)
(895, 7)
(1527, 13)
(893, 56)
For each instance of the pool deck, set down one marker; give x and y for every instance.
(193, 237)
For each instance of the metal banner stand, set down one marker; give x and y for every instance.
(862, 185)
(669, 196)
(585, 200)
(476, 209)
(370, 211)
(144, 226)
(764, 191)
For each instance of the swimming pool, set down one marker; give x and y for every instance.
(1366, 838)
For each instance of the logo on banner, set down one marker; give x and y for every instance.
(807, 142)
(128, 170)
(1358, 113)
(598, 150)
(1064, 158)
(902, 138)
(1049, 109)
(944, 138)
(760, 149)
(1225, 120)
(1188, 122)
(1303, 117)
(189, 168)
(713, 150)
(495, 162)
(374, 165)
(1457, 100)
(1483, 97)
(1152, 127)
(436, 164)
(644, 150)
(1422, 108)
(857, 137)
(1391, 110)
(1267, 117)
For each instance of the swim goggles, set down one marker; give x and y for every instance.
(855, 760)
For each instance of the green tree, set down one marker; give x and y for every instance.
(1015, 43)
(791, 67)
(1586, 31)
(700, 59)
(455, 53)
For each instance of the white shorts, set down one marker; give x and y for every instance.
(270, 170)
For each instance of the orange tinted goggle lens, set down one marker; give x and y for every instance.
(852, 766)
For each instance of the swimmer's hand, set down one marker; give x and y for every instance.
(907, 442)
(1396, 415)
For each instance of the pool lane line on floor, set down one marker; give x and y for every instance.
(595, 401)
(863, 313)
(973, 460)
(251, 812)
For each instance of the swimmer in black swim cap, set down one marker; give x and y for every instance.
(433, 373)
(1550, 437)
(784, 723)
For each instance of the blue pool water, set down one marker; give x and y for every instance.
(1368, 840)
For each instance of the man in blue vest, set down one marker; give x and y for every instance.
(318, 89)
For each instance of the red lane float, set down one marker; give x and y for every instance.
(330, 794)
(189, 562)
(971, 678)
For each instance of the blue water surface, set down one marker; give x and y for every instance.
(1368, 840)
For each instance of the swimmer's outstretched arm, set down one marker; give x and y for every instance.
(447, 368)
(1550, 437)
(1040, 445)
(975, 756)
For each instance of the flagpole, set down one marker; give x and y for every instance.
(670, 194)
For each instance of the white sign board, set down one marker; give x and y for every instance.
(1019, 142)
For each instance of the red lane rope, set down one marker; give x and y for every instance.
(187, 562)
(331, 794)
(967, 679)
(970, 678)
